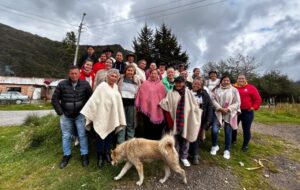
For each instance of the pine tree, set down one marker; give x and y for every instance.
(167, 48)
(68, 51)
(143, 44)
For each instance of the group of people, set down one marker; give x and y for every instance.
(120, 100)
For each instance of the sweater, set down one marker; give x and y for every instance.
(250, 98)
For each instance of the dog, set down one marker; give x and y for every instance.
(138, 150)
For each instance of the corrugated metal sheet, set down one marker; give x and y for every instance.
(24, 81)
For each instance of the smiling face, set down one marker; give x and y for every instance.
(108, 64)
(197, 85)
(241, 80)
(152, 66)
(170, 74)
(119, 57)
(225, 82)
(213, 76)
(153, 75)
(197, 72)
(112, 78)
(129, 73)
(103, 57)
(88, 66)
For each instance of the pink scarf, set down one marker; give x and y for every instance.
(148, 98)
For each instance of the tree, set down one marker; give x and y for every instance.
(167, 48)
(234, 66)
(67, 51)
(143, 44)
(159, 47)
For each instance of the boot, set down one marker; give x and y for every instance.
(100, 162)
(85, 160)
(64, 162)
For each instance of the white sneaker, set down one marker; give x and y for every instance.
(76, 143)
(214, 150)
(185, 162)
(226, 154)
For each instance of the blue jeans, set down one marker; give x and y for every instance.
(215, 132)
(66, 125)
(246, 117)
(128, 132)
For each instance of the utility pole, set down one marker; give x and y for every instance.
(79, 32)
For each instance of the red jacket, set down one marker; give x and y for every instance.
(98, 66)
(250, 98)
(83, 75)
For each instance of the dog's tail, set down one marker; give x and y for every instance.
(167, 145)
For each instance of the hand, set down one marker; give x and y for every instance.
(226, 110)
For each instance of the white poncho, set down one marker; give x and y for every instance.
(105, 110)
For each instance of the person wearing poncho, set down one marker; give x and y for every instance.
(186, 116)
(105, 110)
(226, 100)
(151, 92)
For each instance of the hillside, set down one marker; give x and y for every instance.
(28, 55)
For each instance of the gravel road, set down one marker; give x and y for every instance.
(18, 117)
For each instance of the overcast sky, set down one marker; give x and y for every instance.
(209, 30)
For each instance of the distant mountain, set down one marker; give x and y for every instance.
(27, 55)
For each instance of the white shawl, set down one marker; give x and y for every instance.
(105, 110)
(192, 113)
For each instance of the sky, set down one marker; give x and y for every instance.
(209, 30)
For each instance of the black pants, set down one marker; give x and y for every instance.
(194, 148)
(246, 117)
(152, 131)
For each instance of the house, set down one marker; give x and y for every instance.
(35, 88)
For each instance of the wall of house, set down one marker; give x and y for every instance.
(25, 89)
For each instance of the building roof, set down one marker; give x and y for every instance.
(25, 80)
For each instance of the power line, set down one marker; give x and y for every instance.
(148, 14)
(164, 14)
(34, 16)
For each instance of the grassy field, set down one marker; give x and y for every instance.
(10, 107)
(30, 154)
(282, 113)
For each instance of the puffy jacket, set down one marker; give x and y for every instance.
(69, 101)
(250, 98)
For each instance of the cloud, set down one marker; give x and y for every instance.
(208, 29)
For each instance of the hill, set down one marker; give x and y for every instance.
(27, 55)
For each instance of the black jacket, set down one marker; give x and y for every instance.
(120, 66)
(69, 101)
(93, 57)
(207, 108)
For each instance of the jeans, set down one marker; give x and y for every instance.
(67, 126)
(215, 132)
(128, 132)
(246, 117)
(103, 145)
(182, 146)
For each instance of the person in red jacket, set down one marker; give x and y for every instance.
(86, 72)
(100, 64)
(250, 101)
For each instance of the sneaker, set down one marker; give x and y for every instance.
(185, 162)
(226, 154)
(76, 143)
(245, 148)
(214, 150)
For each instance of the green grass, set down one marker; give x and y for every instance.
(30, 154)
(282, 113)
(11, 107)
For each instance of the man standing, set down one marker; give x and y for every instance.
(130, 58)
(68, 99)
(119, 64)
(89, 54)
(108, 52)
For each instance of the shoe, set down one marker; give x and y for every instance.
(226, 154)
(214, 150)
(85, 160)
(100, 162)
(76, 143)
(64, 162)
(195, 160)
(245, 148)
(185, 162)
(107, 158)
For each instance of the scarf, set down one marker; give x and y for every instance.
(148, 98)
(180, 112)
(89, 77)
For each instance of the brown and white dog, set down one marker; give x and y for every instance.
(138, 150)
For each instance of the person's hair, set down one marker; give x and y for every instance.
(171, 68)
(222, 78)
(73, 67)
(128, 67)
(112, 61)
(200, 79)
(139, 62)
(119, 52)
(195, 69)
(242, 74)
(102, 54)
(154, 70)
(113, 71)
(90, 47)
(162, 64)
(88, 60)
